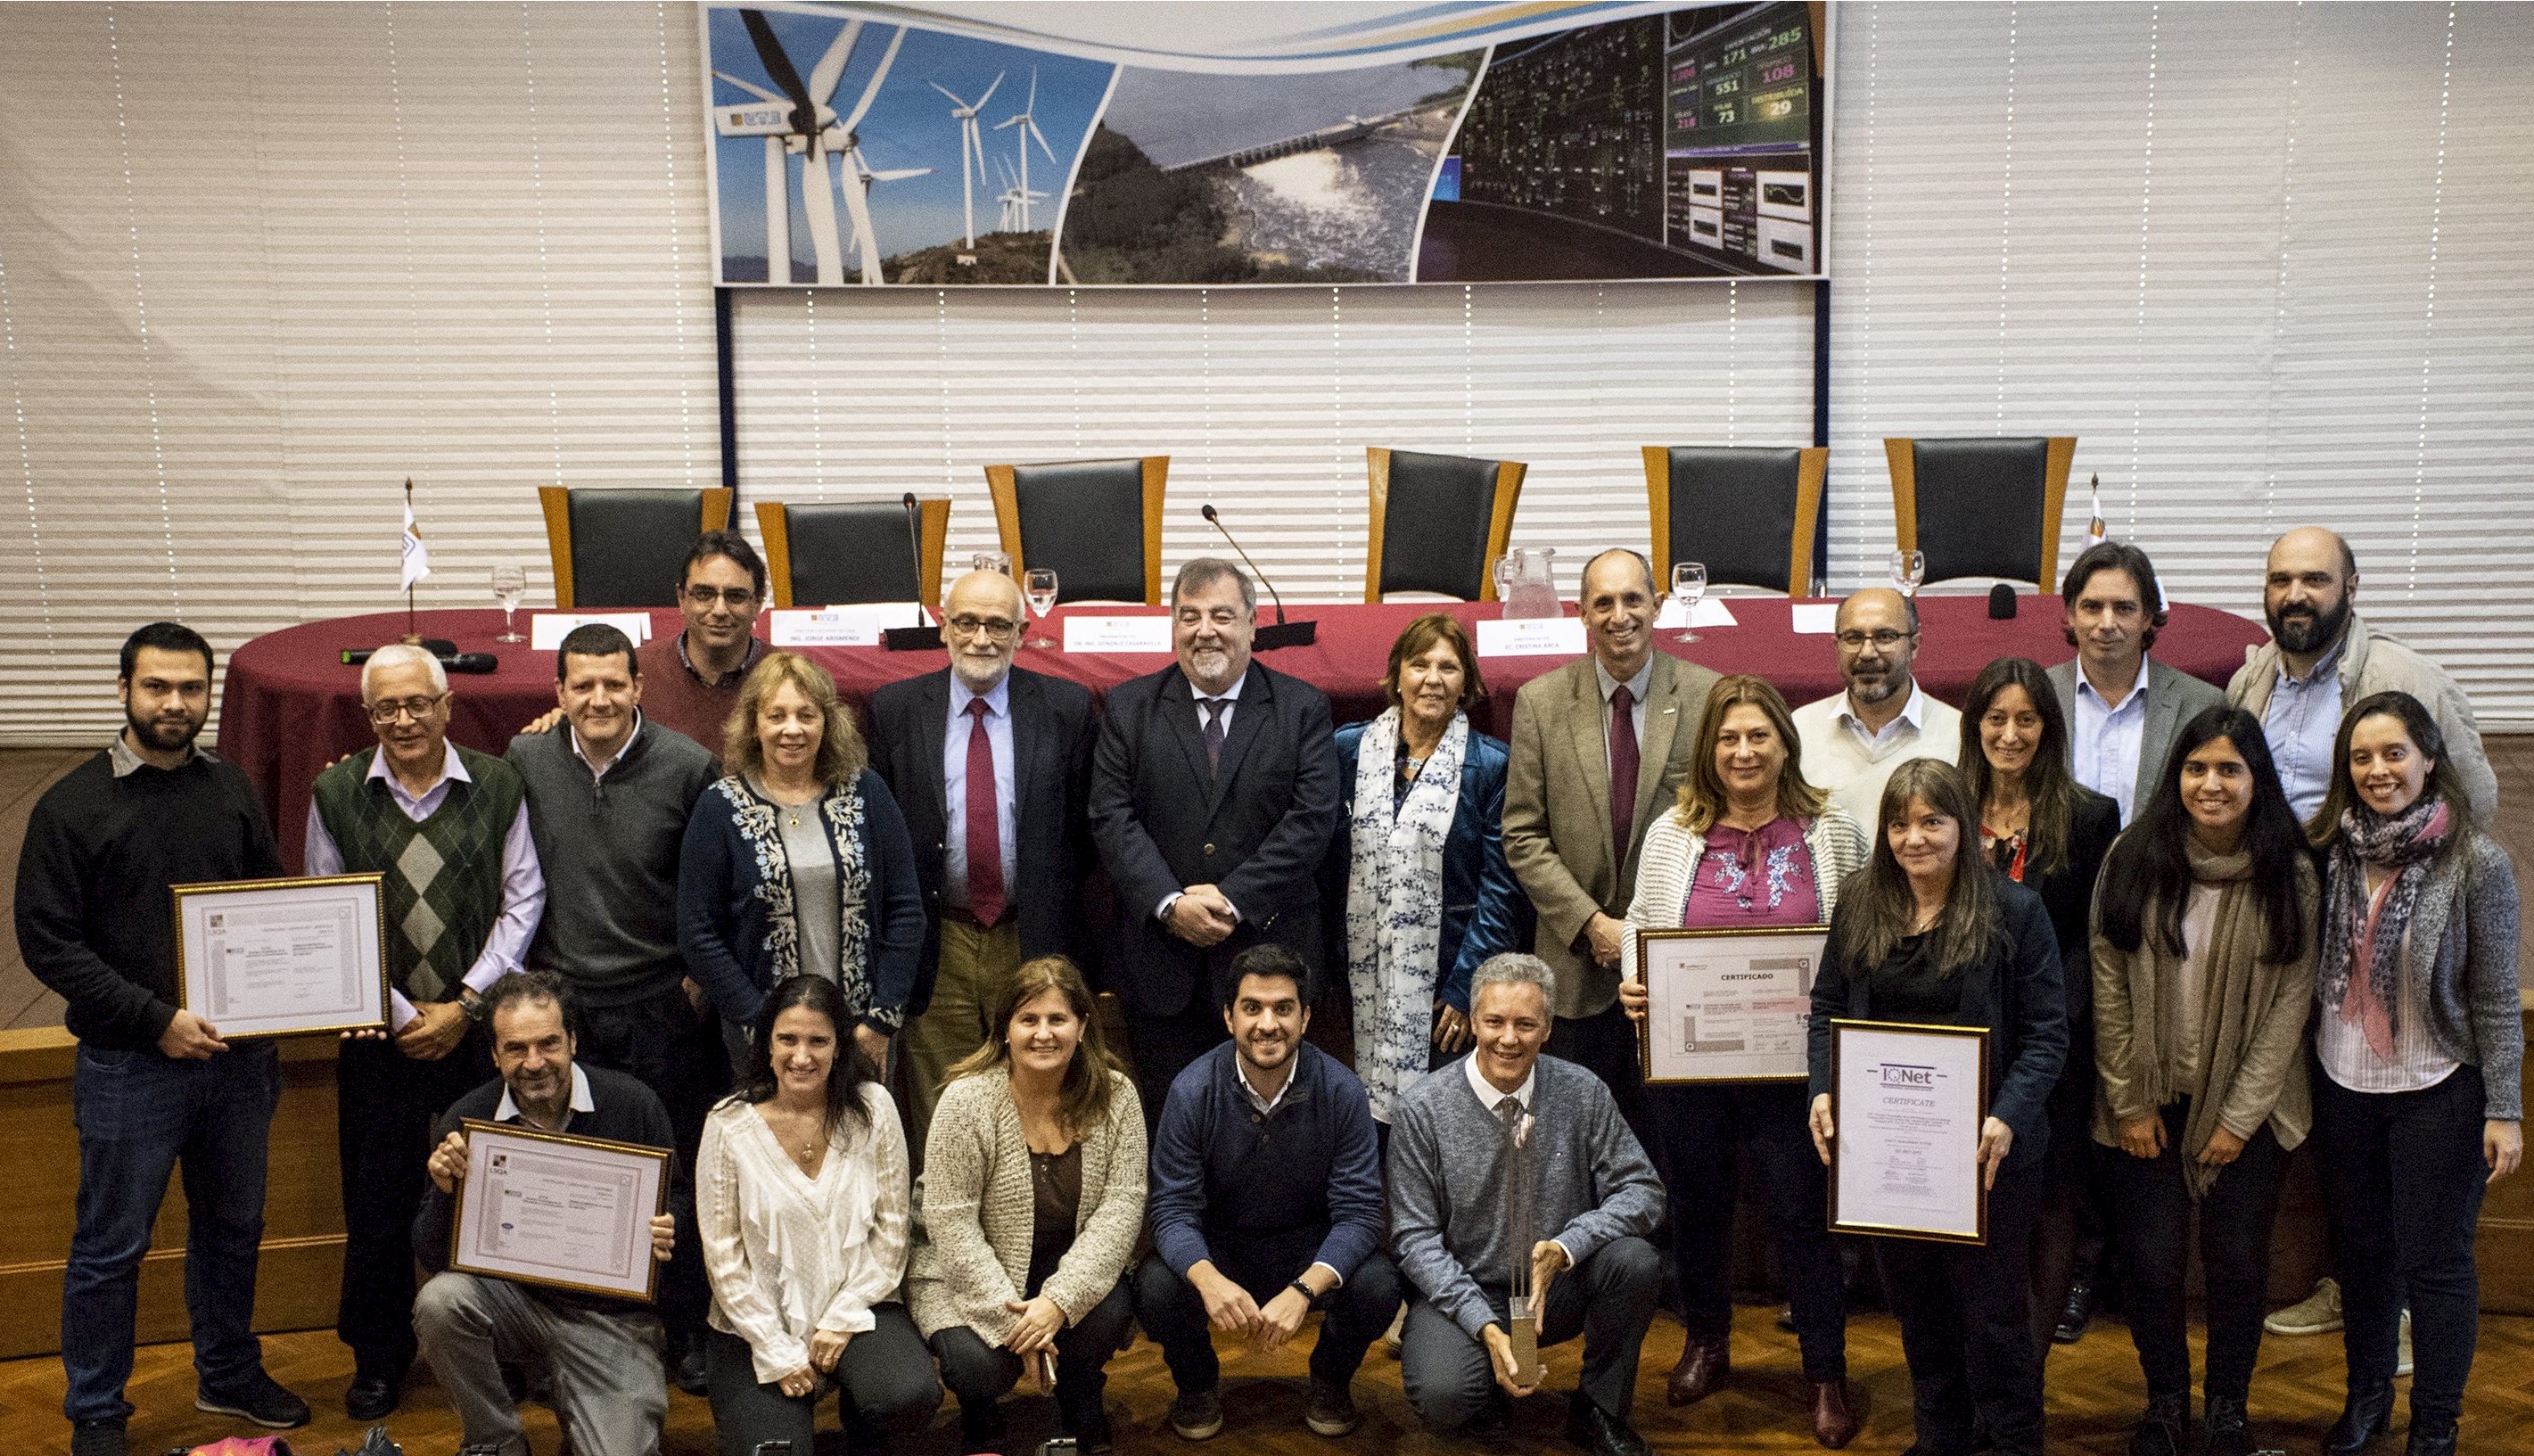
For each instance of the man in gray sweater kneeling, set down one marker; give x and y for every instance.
(1505, 1156)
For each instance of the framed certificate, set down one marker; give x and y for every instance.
(1727, 1005)
(562, 1211)
(1908, 1103)
(283, 957)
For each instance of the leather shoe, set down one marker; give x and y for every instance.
(2226, 1426)
(2427, 1442)
(1833, 1422)
(2160, 1430)
(371, 1396)
(2363, 1421)
(691, 1374)
(1598, 1431)
(2076, 1315)
(1704, 1365)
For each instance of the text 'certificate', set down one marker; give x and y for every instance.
(1907, 1102)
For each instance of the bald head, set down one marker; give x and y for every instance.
(2308, 589)
(2308, 543)
(1878, 647)
(981, 623)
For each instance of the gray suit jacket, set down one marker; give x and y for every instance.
(1557, 807)
(2173, 698)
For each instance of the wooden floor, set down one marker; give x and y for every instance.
(2095, 1394)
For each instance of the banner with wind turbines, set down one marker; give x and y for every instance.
(1051, 142)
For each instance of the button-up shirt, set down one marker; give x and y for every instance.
(2302, 726)
(523, 882)
(121, 759)
(581, 749)
(2105, 740)
(1902, 729)
(1609, 687)
(954, 786)
(582, 1101)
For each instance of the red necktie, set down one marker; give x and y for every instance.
(1623, 772)
(984, 828)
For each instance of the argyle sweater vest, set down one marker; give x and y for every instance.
(442, 891)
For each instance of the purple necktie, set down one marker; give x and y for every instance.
(1213, 707)
(1623, 772)
(984, 826)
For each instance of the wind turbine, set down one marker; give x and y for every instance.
(1028, 124)
(1016, 198)
(801, 122)
(971, 144)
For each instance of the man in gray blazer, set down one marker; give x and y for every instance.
(2122, 706)
(1572, 841)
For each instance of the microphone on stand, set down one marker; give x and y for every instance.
(1267, 639)
(918, 637)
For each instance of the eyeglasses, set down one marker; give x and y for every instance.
(387, 711)
(1886, 639)
(999, 629)
(738, 597)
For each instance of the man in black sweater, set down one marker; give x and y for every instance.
(604, 1354)
(155, 1084)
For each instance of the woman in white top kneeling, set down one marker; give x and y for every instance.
(802, 1195)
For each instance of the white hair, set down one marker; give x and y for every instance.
(398, 655)
(1515, 968)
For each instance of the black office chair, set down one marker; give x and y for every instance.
(1982, 507)
(1097, 523)
(1437, 522)
(834, 554)
(1749, 515)
(626, 548)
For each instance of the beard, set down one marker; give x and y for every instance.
(2311, 632)
(1879, 688)
(161, 736)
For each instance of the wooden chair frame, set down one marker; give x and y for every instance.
(1376, 470)
(556, 502)
(1811, 472)
(1900, 457)
(774, 525)
(999, 483)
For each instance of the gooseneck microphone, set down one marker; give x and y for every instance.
(1282, 634)
(918, 637)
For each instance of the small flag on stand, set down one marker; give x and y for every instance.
(2094, 534)
(417, 556)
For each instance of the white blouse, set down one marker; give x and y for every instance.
(789, 1254)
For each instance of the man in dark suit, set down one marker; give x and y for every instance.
(992, 768)
(1213, 796)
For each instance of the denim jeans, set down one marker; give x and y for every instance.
(141, 1116)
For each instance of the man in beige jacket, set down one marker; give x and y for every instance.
(1626, 713)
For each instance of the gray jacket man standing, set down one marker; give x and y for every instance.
(2173, 698)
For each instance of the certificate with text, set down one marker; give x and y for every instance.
(1908, 1103)
(552, 1209)
(283, 957)
(1727, 1005)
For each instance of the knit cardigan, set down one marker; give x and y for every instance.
(977, 1210)
(1670, 857)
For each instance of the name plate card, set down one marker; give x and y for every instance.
(547, 629)
(1117, 633)
(1532, 636)
(1819, 619)
(856, 626)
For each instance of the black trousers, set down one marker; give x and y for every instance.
(979, 1374)
(1166, 1045)
(2072, 1231)
(384, 1105)
(2235, 1217)
(1353, 1315)
(2405, 1177)
(1608, 1299)
(666, 1045)
(1701, 1131)
(1605, 1044)
(884, 1378)
(1967, 1327)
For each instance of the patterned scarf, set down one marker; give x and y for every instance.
(1394, 909)
(2361, 965)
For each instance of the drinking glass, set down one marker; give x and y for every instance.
(1908, 569)
(509, 588)
(1688, 585)
(991, 561)
(1038, 584)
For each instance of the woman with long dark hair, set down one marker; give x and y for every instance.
(2203, 974)
(2048, 834)
(1928, 933)
(2417, 1056)
(801, 1200)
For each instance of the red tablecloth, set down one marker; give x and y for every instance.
(290, 706)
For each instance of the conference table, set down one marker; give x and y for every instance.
(291, 706)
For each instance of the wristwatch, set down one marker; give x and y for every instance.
(477, 1008)
(1305, 1290)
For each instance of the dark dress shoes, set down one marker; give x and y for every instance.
(1834, 1419)
(1600, 1432)
(2076, 1315)
(2227, 1426)
(2363, 1421)
(2428, 1441)
(2160, 1432)
(371, 1396)
(1704, 1363)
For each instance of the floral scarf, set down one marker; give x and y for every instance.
(1394, 907)
(2361, 965)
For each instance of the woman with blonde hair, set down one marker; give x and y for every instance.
(1032, 1197)
(797, 861)
(1750, 843)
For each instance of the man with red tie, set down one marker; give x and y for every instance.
(991, 767)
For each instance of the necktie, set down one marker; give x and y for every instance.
(1509, 1112)
(1623, 772)
(1213, 707)
(984, 825)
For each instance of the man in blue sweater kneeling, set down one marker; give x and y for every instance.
(1266, 1205)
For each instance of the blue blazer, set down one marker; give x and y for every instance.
(1484, 911)
(723, 917)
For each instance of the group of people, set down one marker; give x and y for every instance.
(698, 908)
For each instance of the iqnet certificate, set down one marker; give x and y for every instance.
(1907, 1102)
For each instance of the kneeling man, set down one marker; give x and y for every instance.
(1593, 1200)
(604, 1354)
(1266, 1203)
